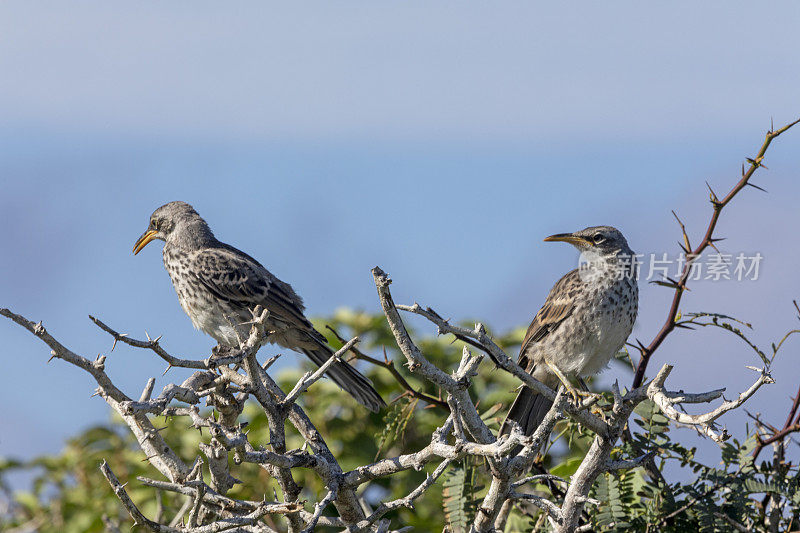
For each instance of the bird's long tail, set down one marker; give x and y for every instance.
(348, 378)
(528, 410)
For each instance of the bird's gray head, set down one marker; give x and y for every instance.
(176, 223)
(601, 240)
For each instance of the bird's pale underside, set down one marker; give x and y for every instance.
(219, 286)
(584, 321)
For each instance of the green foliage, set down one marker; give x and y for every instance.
(396, 421)
(460, 495)
(615, 493)
(68, 493)
(706, 502)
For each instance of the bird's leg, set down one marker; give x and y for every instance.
(576, 394)
(595, 409)
(586, 392)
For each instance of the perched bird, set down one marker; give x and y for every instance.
(218, 286)
(584, 321)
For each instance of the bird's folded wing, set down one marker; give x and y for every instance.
(557, 307)
(237, 279)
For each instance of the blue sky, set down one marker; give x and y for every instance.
(441, 142)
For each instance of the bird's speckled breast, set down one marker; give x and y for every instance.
(611, 323)
(201, 306)
(598, 327)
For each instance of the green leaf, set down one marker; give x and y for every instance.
(454, 498)
(567, 468)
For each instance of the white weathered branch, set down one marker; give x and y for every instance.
(552, 510)
(222, 524)
(666, 402)
(155, 449)
(417, 363)
(406, 501)
(627, 464)
(310, 378)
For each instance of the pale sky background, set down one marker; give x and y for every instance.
(441, 141)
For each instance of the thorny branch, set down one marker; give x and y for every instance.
(792, 423)
(692, 254)
(704, 423)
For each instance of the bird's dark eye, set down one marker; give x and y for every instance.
(598, 238)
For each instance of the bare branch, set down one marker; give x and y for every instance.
(407, 501)
(417, 363)
(666, 402)
(148, 344)
(318, 508)
(211, 497)
(692, 255)
(155, 449)
(627, 464)
(552, 510)
(310, 378)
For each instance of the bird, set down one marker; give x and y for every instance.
(585, 320)
(219, 287)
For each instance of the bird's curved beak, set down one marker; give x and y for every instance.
(146, 237)
(568, 237)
